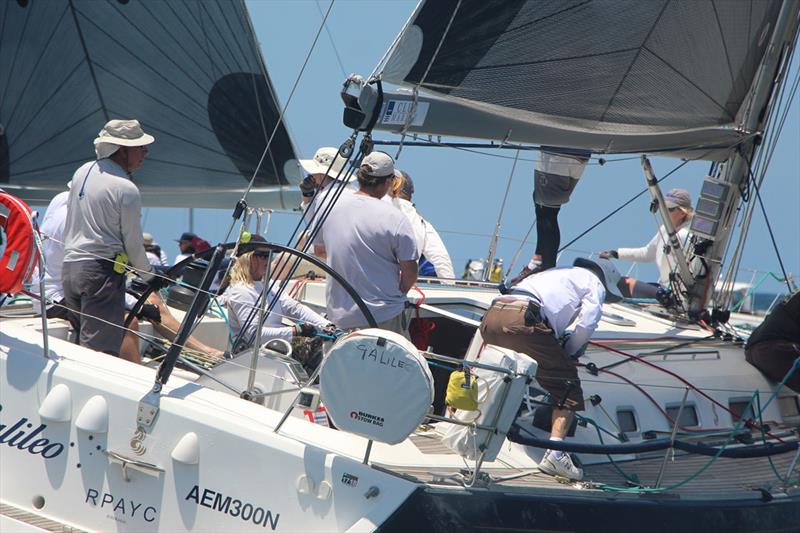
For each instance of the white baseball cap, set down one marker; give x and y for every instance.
(379, 165)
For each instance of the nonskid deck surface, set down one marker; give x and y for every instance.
(725, 477)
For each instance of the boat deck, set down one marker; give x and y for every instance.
(724, 478)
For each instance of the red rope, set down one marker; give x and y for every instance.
(749, 424)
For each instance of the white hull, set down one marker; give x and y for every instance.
(308, 477)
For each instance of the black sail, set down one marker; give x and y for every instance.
(190, 72)
(622, 75)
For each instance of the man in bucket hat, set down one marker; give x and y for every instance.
(532, 318)
(103, 233)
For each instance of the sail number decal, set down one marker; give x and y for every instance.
(233, 507)
(399, 112)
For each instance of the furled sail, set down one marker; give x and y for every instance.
(190, 72)
(621, 76)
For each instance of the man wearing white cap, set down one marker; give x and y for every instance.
(326, 168)
(679, 204)
(103, 232)
(372, 245)
(319, 189)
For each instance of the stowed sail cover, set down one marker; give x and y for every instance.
(596, 68)
(190, 72)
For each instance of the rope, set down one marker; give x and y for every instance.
(679, 378)
(694, 475)
(285, 106)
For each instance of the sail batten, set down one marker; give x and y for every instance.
(656, 66)
(190, 72)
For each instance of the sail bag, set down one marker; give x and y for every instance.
(374, 383)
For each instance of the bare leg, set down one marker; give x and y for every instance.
(562, 418)
(130, 344)
(168, 328)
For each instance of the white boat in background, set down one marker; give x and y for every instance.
(680, 432)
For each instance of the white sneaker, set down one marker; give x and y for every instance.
(560, 467)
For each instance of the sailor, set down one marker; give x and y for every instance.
(373, 246)
(103, 233)
(52, 231)
(324, 169)
(185, 246)
(533, 318)
(434, 259)
(774, 346)
(556, 174)
(242, 296)
(679, 204)
(152, 248)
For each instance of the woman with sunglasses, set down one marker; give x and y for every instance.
(246, 285)
(679, 203)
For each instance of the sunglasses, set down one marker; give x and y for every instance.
(261, 254)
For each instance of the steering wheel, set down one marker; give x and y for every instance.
(250, 247)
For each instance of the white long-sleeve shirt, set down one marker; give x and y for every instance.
(653, 251)
(429, 243)
(52, 230)
(104, 217)
(241, 299)
(568, 296)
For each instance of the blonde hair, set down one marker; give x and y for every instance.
(240, 272)
(397, 185)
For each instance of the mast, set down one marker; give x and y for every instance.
(754, 116)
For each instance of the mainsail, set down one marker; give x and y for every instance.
(622, 76)
(190, 72)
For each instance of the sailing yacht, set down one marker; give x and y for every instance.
(679, 434)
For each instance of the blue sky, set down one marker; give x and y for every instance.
(460, 192)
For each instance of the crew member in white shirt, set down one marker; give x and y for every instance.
(429, 243)
(52, 231)
(103, 230)
(679, 204)
(533, 317)
(242, 295)
(372, 245)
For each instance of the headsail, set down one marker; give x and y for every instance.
(191, 72)
(623, 76)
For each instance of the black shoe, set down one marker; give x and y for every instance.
(667, 298)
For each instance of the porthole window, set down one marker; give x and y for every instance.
(740, 407)
(688, 415)
(626, 419)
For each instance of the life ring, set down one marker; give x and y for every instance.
(19, 256)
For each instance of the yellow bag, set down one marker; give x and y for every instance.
(462, 391)
(120, 262)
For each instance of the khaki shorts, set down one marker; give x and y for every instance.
(504, 325)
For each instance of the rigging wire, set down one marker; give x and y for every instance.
(413, 113)
(333, 43)
(620, 208)
(285, 106)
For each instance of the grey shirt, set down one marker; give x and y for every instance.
(365, 239)
(104, 216)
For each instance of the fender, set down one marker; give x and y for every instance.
(19, 256)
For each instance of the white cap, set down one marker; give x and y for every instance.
(326, 161)
(379, 165)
